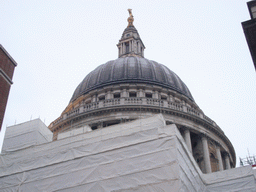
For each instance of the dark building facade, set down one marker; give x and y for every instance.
(7, 65)
(249, 28)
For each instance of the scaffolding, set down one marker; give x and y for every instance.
(249, 160)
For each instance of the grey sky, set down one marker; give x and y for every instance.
(57, 43)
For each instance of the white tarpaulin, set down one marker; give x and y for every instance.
(143, 155)
(24, 135)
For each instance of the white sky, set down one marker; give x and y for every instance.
(57, 43)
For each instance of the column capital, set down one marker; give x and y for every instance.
(226, 154)
(184, 128)
(217, 144)
(205, 136)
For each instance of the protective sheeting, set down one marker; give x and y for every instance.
(238, 179)
(75, 131)
(25, 135)
(144, 155)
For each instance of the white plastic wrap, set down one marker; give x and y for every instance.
(238, 179)
(144, 155)
(26, 134)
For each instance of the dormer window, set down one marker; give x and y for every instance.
(128, 35)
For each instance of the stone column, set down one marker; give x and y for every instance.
(123, 93)
(94, 98)
(188, 139)
(141, 93)
(100, 124)
(155, 95)
(206, 155)
(109, 95)
(227, 161)
(219, 157)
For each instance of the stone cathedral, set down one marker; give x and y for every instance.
(131, 125)
(131, 87)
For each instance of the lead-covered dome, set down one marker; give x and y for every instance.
(133, 87)
(131, 70)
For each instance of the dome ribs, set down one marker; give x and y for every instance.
(93, 78)
(112, 70)
(168, 74)
(105, 73)
(152, 68)
(181, 84)
(131, 70)
(117, 71)
(146, 69)
(137, 61)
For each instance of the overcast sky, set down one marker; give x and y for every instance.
(57, 43)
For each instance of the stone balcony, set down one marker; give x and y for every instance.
(135, 101)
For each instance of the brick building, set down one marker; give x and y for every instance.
(249, 28)
(7, 65)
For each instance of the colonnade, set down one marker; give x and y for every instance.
(206, 153)
(133, 47)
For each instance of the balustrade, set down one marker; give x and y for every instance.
(111, 102)
(193, 111)
(156, 102)
(208, 119)
(91, 106)
(135, 101)
(175, 106)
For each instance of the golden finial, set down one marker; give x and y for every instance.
(130, 19)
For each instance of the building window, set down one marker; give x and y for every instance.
(94, 127)
(132, 94)
(116, 95)
(163, 97)
(148, 95)
(102, 98)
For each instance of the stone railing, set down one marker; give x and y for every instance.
(193, 111)
(175, 106)
(162, 104)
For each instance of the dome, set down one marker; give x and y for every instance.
(131, 70)
(132, 87)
